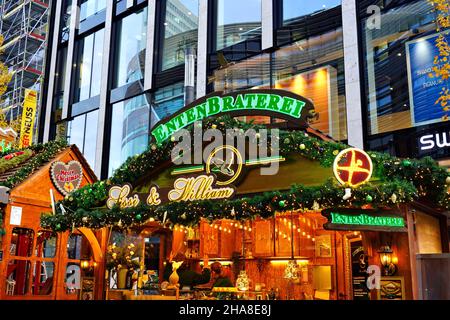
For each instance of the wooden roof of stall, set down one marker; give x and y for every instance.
(31, 185)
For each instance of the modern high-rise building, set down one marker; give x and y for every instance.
(117, 68)
(24, 26)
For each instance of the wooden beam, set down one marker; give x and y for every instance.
(95, 245)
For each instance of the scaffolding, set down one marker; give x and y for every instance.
(24, 26)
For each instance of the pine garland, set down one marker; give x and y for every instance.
(14, 159)
(43, 154)
(400, 181)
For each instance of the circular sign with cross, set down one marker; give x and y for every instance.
(353, 167)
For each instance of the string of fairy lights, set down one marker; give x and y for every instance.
(303, 226)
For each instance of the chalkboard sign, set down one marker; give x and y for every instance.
(359, 271)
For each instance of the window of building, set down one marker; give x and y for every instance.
(314, 68)
(42, 283)
(60, 77)
(45, 244)
(82, 131)
(89, 66)
(180, 31)
(295, 9)
(130, 127)
(78, 248)
(167, 101)
(398, 59)
(74, 246)
(90, 7)
(237, 21)
(65, 20)
(130, 48)
(18, 277)
(251, 73)
(21, 242)
(40, 267)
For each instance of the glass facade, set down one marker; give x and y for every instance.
(131, 41)
(237, 21)
(293, 10)
(313, 68)
(180, 31)
(82, 131)
(167, 101)
(130, 129)
(398, 59)
(60, 80)
(90, 7)
(89, 66)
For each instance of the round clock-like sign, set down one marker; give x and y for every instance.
(353, 167)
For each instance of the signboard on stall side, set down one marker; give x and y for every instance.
(363, 220)
(276, 103)
(16, 216)
(424, 90)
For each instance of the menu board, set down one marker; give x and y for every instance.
(359, 271)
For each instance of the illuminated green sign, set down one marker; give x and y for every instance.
(281, 104)
(365, 220)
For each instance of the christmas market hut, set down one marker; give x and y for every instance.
(330, 222)
(35, 262)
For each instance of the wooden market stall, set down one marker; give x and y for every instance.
(327, 222)
(36, 263)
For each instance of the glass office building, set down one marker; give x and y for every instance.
(118, 67)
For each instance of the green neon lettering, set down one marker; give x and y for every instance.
(201, 111)
(190, 114)
(213, 106)
(159, 134)
(239, 103)
(298, 109)
(261, 101)
(179, 121)
(273, 102)
(364, 219)
(250, 98)
(228, 104)
(171, 126)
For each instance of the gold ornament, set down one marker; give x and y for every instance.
(394, 198)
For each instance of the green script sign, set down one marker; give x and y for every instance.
(363, 219)
(278, 103)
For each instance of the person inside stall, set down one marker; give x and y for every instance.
(188, 277)
(219, 278)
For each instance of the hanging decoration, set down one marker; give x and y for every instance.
(66, 177)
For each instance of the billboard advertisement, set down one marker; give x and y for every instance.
(424, 90)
